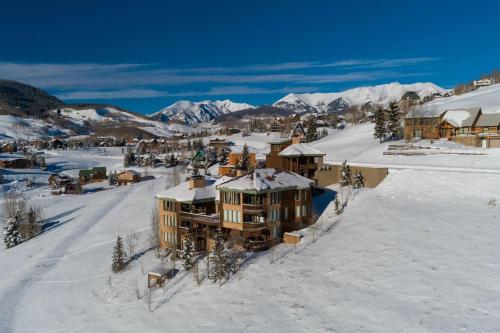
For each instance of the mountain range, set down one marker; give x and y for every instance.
(340, 101)
(51, 116)
(198, 112)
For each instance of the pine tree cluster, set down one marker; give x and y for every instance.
(312, 129)
(11, 236)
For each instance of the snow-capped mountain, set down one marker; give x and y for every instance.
(339, 101)
(198, 112)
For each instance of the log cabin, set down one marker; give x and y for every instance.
(127, 177)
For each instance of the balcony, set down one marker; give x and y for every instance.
(212, 219)
(254, 226)
(258, 244)
(253, 208)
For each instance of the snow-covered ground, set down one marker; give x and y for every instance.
(419, 253)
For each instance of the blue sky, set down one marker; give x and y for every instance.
(144, 55)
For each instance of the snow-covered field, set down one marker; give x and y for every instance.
(419, 253)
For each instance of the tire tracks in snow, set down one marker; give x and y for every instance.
(11, 299)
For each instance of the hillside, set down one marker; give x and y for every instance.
(28, 112)
(263, 111)
(340, 101)
(487, 98)
(22, 99)
(197, 112)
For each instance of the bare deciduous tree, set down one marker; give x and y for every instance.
(155, 223)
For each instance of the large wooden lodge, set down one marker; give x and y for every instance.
(469, 126)
(254, 210)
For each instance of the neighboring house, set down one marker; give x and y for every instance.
(218, 144)
(200, 160)
(459, 121)
(96, 174)
(128, 177)
(294, 156)
(482, 83)
(253, 210)
(15, 162)
(422, 124)
(468, 126)
(7, 148)
(229, 169)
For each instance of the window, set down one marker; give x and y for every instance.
(231, 198)
(170, 220)
(275, 197)
(169, 205)
(232, 216)
(170, 238)
(301, 211)
(274, 214)
(300, 195)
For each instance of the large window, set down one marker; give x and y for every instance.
(170, 238)
(301, 195)
(301, 211)
(274, 214)
(169, 205)
(170, 220)
(232, 216)
(275, 197)
(232, 198)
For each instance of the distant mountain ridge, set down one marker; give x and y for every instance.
(198, 112)
(339, 101)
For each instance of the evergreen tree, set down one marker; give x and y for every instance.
(379, 120)
(219, 259)
(196, 171)
(112, 180)
(245, 164)
(172, 161)
(359, 180)
(213, 156)
(11, 236)
(186, 258)
(346, 176)
(312, 129)
(224, 155)
(338, 208)
(394, 121)
(119, 256)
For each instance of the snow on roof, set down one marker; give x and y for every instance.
(266, 179)
(182, 193)
(461, 117)
(133, 172)
(492, 119)
(300, 149)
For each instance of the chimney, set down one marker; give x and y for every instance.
(295, 139)
(196, 182)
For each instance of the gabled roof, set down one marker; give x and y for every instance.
(182, 193)
(300, 149)
(263, 180)
(489, 119)
(132, 172)
(461, 117)
(299, 128)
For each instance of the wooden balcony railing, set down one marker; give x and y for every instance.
(254, 208)
(201, 218)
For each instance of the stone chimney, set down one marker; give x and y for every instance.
(196, 182)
